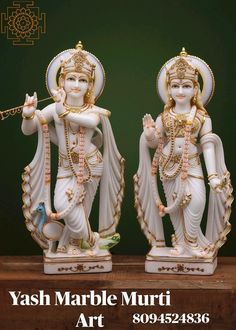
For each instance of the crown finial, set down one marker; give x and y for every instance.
(79, 45)
(183, 52)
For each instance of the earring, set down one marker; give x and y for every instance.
(170, 98)
(88, 93)
(194, 99)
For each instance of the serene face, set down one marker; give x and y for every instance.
(76, 84)
(182, 91)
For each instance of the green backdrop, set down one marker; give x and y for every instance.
(132, 39)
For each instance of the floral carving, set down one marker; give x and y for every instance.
(180, 268)
(80, 268)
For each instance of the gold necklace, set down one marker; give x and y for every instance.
(171, 153)
(76, 109)
(168, 159)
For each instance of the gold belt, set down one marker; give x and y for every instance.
(89, 162)
(75, 157)
(175, 159)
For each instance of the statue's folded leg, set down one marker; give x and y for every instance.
(76, 224)
(77, 230)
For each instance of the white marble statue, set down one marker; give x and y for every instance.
(75, 78)
(180, 134)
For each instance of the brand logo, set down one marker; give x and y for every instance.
(23, 23)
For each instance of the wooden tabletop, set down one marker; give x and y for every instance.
(128, 273)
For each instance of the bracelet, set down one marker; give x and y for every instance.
(212, 176)
(28, 118)
(63, 114)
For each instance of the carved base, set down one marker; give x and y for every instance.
(75, 265)
(187, 266)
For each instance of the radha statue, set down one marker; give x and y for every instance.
(180, 134)
(75, 78)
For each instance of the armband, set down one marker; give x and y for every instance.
(63, 114)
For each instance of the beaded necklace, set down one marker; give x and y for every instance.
(81, 157)
(184, 158)
(183, 165)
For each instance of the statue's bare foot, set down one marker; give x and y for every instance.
(207, 253)
(198, 252)
(177, 250)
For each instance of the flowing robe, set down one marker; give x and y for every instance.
(186, 219)
(75, 210)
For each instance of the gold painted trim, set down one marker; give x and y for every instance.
(150, 258)
(71, 175)
(196, 176)
(73, 259)
(120, 194)
(141, 219)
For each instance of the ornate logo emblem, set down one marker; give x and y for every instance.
(23, 23)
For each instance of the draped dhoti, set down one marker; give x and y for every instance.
(77, 226)
(186, 219)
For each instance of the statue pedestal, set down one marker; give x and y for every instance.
(160, 260)
(188, 266)
(64, 264)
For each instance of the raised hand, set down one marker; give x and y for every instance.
(30, 105)
(149, 127)
(59, 95)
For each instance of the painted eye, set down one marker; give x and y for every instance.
(174, 86)
(187, 86)
(83, 80)
(71, 79)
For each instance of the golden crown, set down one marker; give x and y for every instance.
(181, 69)
(78, 62)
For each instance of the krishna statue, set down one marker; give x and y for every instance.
(75, 79)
